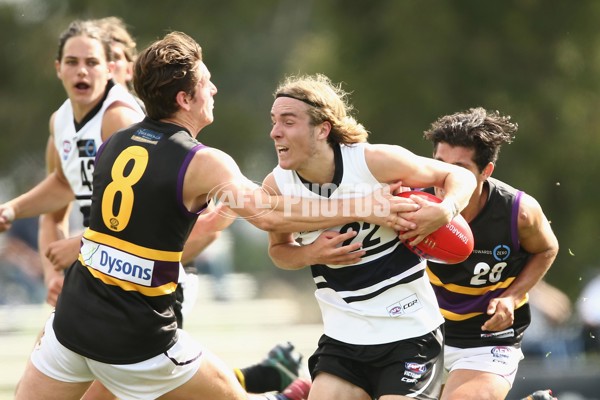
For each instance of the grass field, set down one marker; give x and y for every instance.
(243, 330)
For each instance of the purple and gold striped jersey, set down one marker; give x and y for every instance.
(464, 290)
(117, 301)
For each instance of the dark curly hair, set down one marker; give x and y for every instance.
(478, 129)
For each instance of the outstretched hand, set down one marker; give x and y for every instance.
(216, 217)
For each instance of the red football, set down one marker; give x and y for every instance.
(450, 244)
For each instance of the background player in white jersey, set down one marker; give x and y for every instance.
(96, 108)
(484, 298)
(382, 325)
(60, 254)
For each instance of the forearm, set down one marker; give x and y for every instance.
(50, 195)
(296, 214)
(290, 256)
(51, 228)
(458, 187)
(531, 274)
(196, 244)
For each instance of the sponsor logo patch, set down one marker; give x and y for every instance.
(502, 334)
(86, 148)
(407, 305)
(146, 136)
(118, 264)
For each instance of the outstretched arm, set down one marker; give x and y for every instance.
(418, 172)
(213, 173)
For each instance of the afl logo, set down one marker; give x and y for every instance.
(501, 252)
(415, 367)
(66, 148)
(500, 352)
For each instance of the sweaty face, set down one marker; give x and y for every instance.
(292, 133)
(84, 72)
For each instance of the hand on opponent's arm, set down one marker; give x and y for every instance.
(328, 248)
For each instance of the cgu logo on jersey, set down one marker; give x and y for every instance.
(407, 305)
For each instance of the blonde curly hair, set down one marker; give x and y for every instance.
(328, 102)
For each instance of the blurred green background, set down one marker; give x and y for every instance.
(406, 63)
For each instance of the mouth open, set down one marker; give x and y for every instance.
(82, 86)
(282, 150)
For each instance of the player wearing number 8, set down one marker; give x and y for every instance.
(484, 298)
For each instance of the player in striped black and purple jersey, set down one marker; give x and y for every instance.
(484, 298)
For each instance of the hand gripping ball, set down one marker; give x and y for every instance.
(450, 244)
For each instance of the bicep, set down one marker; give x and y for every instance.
(535, 233)
(391, 163)
(213, 174)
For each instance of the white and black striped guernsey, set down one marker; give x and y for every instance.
(387, 296)
(116, 305)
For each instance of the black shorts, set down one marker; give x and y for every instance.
(408, 367)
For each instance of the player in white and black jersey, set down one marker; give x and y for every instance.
(382, 327)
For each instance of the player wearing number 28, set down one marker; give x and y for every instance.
(484, 298)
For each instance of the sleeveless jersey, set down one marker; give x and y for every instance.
(116, 305)
(77, 148)
(384, 298)
(464, 290)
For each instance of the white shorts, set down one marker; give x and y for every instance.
(499, 360)
(145, 380)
